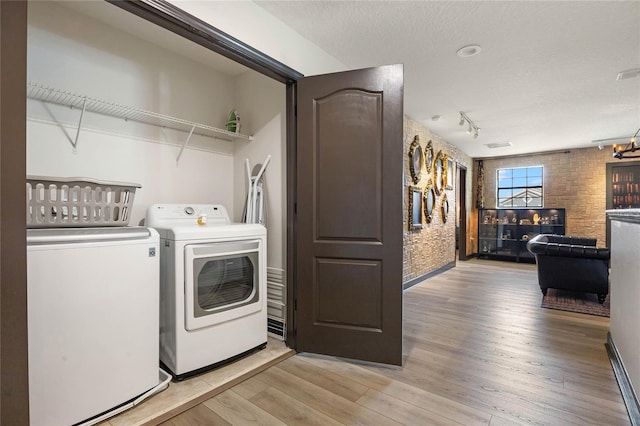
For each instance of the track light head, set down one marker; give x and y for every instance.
(472, 129)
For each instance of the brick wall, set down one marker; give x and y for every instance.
(574, 180)
(433, 246)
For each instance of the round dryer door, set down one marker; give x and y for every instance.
(221, 282)
(224, 282)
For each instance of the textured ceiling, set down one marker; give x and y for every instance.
(545, 79)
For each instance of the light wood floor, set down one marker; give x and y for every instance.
(479, 350)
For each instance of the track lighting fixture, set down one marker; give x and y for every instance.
(472, 129)
(619, 151)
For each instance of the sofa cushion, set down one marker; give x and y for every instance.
(566, 239)
(566, 247)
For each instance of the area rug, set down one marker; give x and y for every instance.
(585, 303)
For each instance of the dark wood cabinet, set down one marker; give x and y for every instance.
(504, 233)
(623, 185)
(623, 188)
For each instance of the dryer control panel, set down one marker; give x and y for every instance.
(175, 214)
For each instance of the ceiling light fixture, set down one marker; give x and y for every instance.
(472, 129)
(468, 51)
(619, 151)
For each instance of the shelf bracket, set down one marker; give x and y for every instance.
(75, 142)
(184, 145)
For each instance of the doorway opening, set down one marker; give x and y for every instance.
(461, 213)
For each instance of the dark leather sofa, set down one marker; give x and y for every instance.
(571, 263)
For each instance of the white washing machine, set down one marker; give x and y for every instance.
(93, 321)
(212, 286)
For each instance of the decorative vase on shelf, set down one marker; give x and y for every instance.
(233, 123)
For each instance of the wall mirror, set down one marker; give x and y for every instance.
(451, 172)
(429, 201)
(415, 159)
(428, 157)
(415, 208)
(439, 177)
(444, 208)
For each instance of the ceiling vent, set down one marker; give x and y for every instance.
(623, 75)
(497, 145)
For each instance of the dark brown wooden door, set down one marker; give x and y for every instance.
(349, 214)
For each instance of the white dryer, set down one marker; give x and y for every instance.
(212, 286)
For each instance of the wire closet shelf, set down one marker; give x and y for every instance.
(86, 103)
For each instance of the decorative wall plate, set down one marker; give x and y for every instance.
(416, 160)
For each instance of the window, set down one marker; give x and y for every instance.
(519, 187)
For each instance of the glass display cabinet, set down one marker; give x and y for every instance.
(504, 233)
(623, 185)
(623, 188)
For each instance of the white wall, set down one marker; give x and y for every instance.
(74, 52)
(625, 292)
(252, 25)
(81, 55)
(201, 177)
(263, 99)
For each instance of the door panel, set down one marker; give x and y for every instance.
(346, 116)
(338, 282)
(349, 214)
